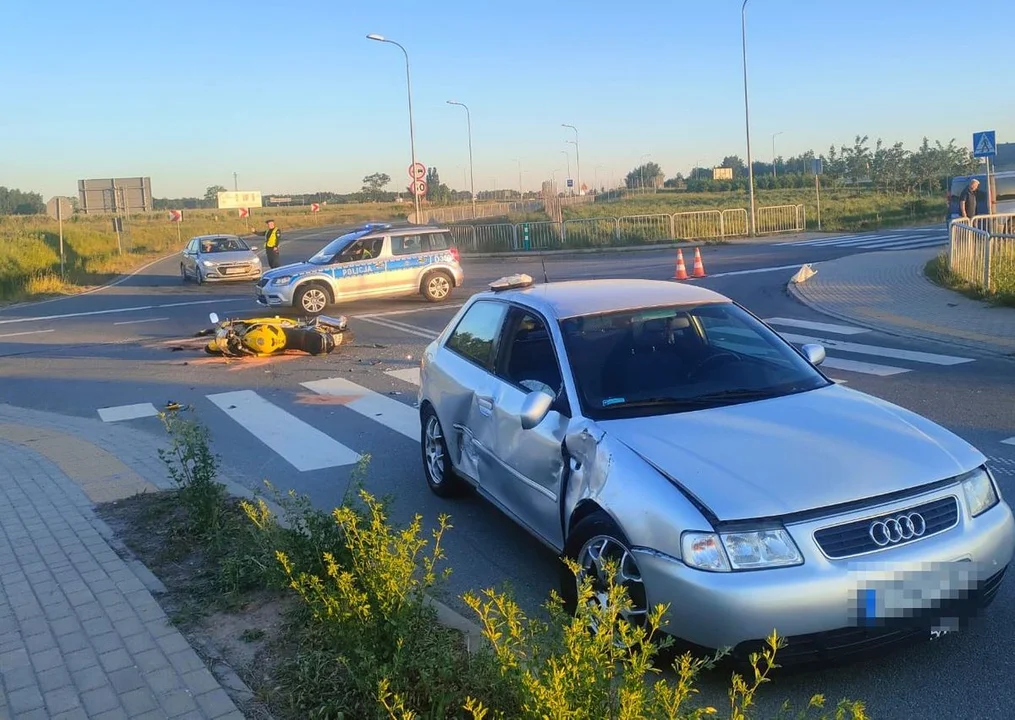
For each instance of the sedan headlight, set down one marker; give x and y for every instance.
(979, 491)
(746, 550)
(208, 263)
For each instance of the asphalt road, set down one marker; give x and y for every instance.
(126, 346)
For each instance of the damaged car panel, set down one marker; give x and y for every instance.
(665, 427)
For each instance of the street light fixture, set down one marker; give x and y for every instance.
(408, 87)
(747, 114)
(472, 176)
(774, 135)
(577, 154)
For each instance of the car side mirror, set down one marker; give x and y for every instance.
(254, 248)
(814, 353)
(534, 408)
(214, 318)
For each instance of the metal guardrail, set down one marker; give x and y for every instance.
(982, 251)
(626, 229)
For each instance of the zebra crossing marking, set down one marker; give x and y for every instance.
(119, 413)
(409, 375)
(820, 326)
(300, 444)
(911, 239)
(878, 350)
(391, 413)
(863, 367)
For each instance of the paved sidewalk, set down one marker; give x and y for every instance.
(81, 634)
(888, 291)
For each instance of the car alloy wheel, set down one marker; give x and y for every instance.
(437, 287)
(591, 559)
(440, 476)
(313, 300)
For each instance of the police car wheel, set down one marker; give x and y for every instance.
(437, 286)
(312, 299)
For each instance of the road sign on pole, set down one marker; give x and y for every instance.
(570, 182)
(984, 144)
(176, 216)
(58, 208)
(315, 207)
(419, 187)
(417, 171)
(818, 165)
(244, 212)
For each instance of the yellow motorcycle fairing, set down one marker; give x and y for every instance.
(264, 339)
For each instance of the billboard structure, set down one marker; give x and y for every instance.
(108, 196)
(240, 199)
(722, 173)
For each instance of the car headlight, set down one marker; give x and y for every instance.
(283, 280)
(208, 263)
(746, 550)
(979, 491)
(257, 260)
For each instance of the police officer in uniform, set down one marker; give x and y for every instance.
(272, 238)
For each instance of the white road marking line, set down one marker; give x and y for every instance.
(862, 367)
(1009, 441)
(878, 351)
(837, 381)
(300, 444)
(915, 245)
(414, 310)
(127, 412)
(817, 242)
(388, 412)
(138, 322)
(409, 375)
(29, 332)
(901, 242)
(847, 242)
(418, 331)
(795, 266)
(824, 327)
(119, 310)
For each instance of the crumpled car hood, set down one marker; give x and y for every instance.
(795, 453)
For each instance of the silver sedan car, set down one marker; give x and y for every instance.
(211, 258)
(665, 426)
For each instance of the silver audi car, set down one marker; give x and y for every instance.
(665, 426)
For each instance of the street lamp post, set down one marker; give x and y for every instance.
(472, 176)
(577, 155)
(412, 139)
(747, 114)
(521, 193)
(774, 135)
(236, 185)
(568, 156)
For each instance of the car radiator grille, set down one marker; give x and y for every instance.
(854, 538)
(262, 282)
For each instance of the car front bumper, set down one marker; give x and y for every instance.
(274, 295)
(819, 607)
(213, 274)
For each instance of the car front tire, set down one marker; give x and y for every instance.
(312, 300)
(594, 538)
(440, 475)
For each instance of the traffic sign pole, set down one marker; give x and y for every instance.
(985, 146)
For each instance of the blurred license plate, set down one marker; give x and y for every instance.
(235, 271)
(895, 596)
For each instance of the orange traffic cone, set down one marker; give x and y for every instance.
(681, 273)
(699, 270)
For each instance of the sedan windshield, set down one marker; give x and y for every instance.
(326, 255)
(223, 244)
(677, 359)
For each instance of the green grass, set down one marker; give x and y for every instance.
(30, 252)
(841, 210)
(938, 272)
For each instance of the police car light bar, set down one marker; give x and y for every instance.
(512, 282)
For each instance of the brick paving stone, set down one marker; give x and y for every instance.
(888, 291)
(81, 636)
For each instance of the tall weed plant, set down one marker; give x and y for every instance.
(194, 468)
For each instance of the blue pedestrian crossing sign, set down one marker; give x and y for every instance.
(984, 144)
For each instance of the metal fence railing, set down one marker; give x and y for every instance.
(625, 229)
(982, 252)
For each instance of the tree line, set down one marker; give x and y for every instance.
(889, 168)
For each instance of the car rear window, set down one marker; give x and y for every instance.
(440, 240)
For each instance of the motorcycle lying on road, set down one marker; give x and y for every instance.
(263, 336)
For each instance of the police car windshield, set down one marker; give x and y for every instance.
(327, 254)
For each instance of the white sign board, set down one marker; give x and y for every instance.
(240, 199)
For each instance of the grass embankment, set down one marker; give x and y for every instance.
(30, 245)
(325, 615)
(1003, 278)
(841, 210)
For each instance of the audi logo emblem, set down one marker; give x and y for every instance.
(896, 529)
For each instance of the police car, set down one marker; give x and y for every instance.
(372, 261)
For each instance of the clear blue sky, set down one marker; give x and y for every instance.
(293, 97)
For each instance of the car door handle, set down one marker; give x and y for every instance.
(485, 404)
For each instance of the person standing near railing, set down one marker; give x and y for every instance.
(967, 200)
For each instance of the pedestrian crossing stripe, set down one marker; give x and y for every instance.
(909, 239)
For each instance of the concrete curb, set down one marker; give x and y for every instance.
(893, 330)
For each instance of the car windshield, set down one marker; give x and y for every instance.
(678, 359)
(222, 244)
(327, 254)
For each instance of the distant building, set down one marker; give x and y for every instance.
(549, 188)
